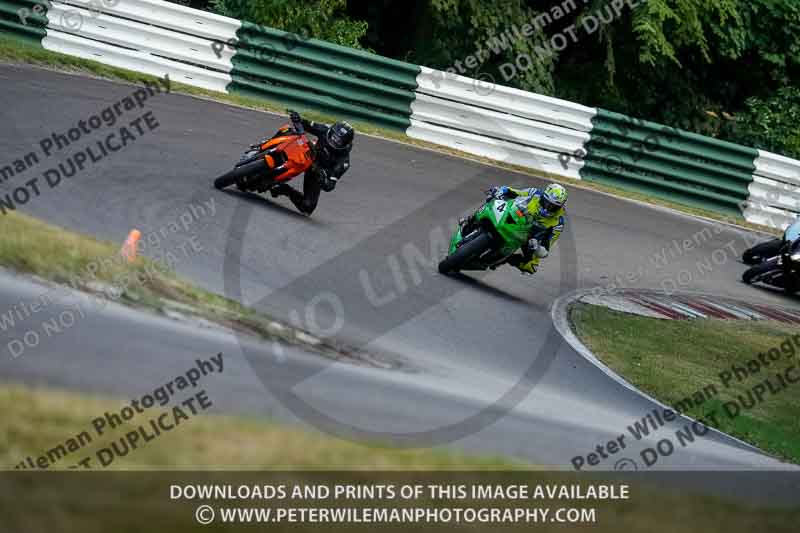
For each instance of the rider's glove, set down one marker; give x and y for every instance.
(497, 193)
(537, 249)
(329, 184)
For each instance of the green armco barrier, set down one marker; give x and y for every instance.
(301, 76)
(665, 162)
(269, 42)
(313, 74)
(300, 100)
(30, 26)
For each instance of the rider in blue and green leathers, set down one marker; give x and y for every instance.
(546, 211)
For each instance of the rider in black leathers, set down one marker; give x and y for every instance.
(331, 161)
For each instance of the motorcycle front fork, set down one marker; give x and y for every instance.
(467, 225)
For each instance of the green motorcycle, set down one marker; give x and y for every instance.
(497, 230)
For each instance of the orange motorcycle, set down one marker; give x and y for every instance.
(272, 162)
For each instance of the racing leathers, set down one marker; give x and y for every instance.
(330, 164)
(547, 228)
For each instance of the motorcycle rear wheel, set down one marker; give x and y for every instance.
(753, 274)
(463, 255)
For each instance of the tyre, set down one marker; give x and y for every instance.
(754, 274)
(239, 173)
(463, 255)
(762, 251)
(225, 180)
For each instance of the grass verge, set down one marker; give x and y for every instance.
(689, 365)
(31, 246)
(117, 502)
(201, 442)
(17, 51)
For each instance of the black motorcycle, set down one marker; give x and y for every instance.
(780, 266)
(761, 252)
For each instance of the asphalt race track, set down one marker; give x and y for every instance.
(479, 364)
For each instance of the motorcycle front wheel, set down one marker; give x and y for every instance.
(466, 253)
(239, 173)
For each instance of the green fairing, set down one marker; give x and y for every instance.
(511, 228)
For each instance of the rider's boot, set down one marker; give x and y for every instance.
(296, 197)
(281, 189)
(526, 265)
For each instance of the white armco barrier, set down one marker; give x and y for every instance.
(495, 149)
(775, 191)
(500, 123)
(144, 37)
(136, 61)
(166, 15)
(505, 100)
(495, 124)
(162, 38)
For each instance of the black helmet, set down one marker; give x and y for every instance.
(340, 136)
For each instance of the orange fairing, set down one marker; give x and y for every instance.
(294, 148)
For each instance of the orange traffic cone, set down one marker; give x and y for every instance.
(128, 250)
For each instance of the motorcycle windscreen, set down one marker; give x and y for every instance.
(792, 232)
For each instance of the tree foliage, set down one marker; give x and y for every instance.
(667, 30)
(457, 29)
(772, 123)
(726, 68)
(710, 66)
(322, 19)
